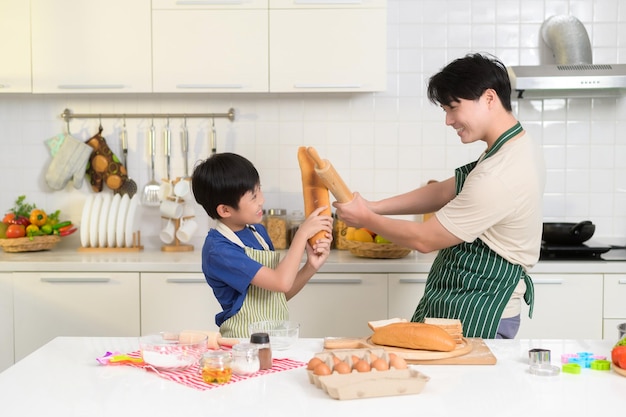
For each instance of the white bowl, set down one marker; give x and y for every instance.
(283, 334)
(171, 351)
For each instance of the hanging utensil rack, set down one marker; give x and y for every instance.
(67, 115)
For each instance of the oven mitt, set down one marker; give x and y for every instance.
(69, 160)
(104, 166)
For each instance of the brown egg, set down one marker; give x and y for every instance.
(373, 357)
(362, 366)
(380, 365)
(355, 359)
(397, 362)
(313, 363)
(336, 360)
(342, 367)
(322, 369)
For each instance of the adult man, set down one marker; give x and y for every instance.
(489, 215)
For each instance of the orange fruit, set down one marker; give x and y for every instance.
(363, 235)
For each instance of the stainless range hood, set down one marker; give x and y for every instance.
(573, 74)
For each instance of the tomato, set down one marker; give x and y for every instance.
(16, 230)
(618, 356)
(8, 218)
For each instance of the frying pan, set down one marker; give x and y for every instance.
(568, 233)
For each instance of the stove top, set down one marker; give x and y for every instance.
(582, 252)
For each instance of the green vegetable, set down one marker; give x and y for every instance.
(21, 208)
(62, 224)
(622, 342)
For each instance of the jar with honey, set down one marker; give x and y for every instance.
(215, 367)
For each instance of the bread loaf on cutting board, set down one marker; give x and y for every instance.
(411, 335)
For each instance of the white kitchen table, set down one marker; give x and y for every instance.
(63, 379)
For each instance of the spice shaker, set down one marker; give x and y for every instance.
(262, 340)
(245, 359)
(215, 367)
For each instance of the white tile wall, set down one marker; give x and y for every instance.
(382, 143)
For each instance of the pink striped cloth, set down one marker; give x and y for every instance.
(191, 377)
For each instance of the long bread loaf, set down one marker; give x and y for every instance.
(314, 191)
(411, 335)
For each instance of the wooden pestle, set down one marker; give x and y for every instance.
(330, 177)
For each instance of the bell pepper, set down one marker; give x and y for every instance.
(67, 232)
(61, 224)
(38, 217)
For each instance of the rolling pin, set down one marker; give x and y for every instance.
(330, 177)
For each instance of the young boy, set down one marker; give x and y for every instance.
(238, 258)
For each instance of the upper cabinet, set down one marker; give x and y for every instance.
(91, 46)
(210, 46)
(15, 76)
(328, 45)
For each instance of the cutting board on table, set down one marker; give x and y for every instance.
(473, 351)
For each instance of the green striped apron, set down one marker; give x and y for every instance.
(260, 304)
(470, 281)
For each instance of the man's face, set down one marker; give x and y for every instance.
(467, 117)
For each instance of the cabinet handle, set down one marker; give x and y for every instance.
(74, 280)
(186, 280)
(90, 86)
(328, 1)
(4, 85)
(208, 2)
(622, 281)
(337, 86)
(549, 281)
(336, 281)
(192, 86)
(412, 280)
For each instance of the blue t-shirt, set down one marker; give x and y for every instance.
(228, 270)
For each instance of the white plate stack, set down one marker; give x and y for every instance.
(109, 221)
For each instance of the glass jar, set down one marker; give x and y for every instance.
(216, 367)
(262, 341)
(245, 359)
(339, 233)
(277, 227)
(295, 220)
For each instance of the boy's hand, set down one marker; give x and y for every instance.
(315, 223)
(317, 255)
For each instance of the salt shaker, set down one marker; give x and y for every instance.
(262, 340)
(245, 359)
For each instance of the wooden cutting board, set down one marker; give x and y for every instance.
(473, 351)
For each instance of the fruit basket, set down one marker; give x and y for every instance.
(29, 244)
(377, 250)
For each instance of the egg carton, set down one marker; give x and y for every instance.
(372, 383)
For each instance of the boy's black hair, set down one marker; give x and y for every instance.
(468, 78)
(223, 178)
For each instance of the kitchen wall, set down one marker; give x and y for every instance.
(382, 143)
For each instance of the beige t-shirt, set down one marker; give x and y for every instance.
(501, 203)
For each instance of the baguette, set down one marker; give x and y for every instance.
(411, 335)
(380, 323)
(314, 191)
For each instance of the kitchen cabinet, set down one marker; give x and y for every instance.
(6, 321)
(614, 304)
(339, 304)
(172, 301)
(566, 306)
(15, 74)
(47, 305)
(327, 46)
(210, 46)
(405, 292)
(91, 46)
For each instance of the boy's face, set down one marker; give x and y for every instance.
(251, 207)
(468, 118)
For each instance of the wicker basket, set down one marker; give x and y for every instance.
(377, 250)
(27, 244)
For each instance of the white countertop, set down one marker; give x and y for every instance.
(66, 257)
(63, 379)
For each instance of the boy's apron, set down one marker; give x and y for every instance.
(470, 281)
(260, 304)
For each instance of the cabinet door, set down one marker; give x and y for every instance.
(6, 321)
(325, 50)
(210, 50)
(85, 46)
(566, 307)
(177, 301)
(405, 292)
(15, 75)
(47, 305)
(339, 304)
